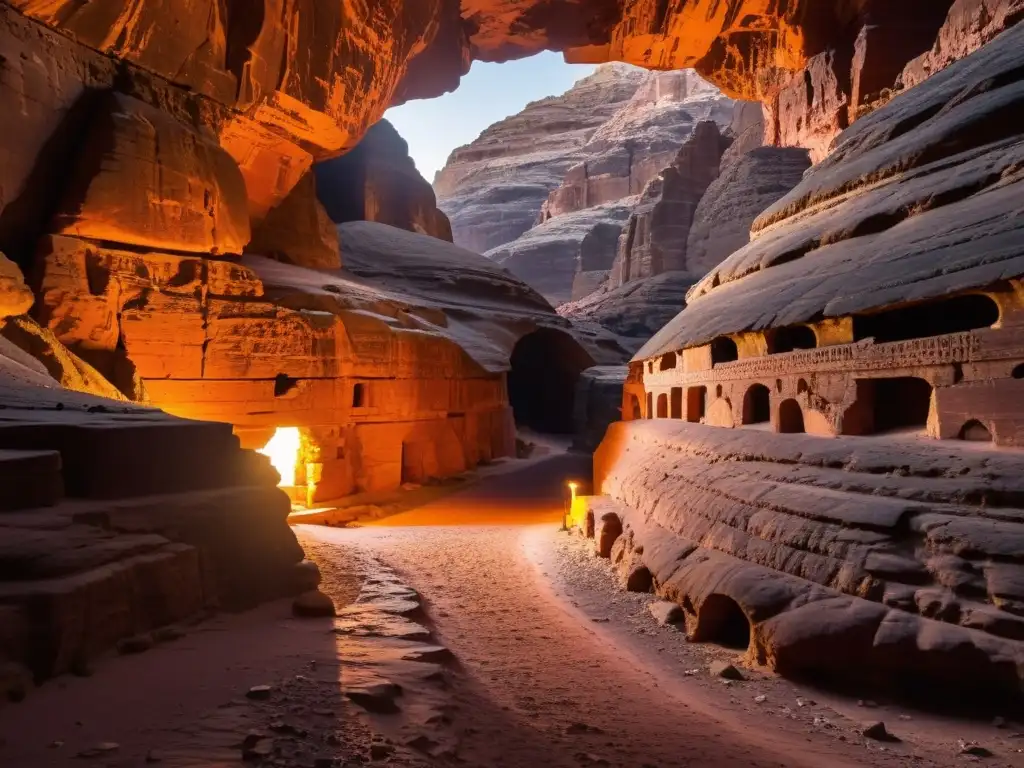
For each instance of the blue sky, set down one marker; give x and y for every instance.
(487, 94)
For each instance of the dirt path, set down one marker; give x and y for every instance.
(578, 681)
(552, 665)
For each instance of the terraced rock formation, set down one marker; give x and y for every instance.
(888, 563)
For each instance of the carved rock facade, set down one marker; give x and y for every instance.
(809, 463)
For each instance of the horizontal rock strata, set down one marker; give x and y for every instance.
(852, 559)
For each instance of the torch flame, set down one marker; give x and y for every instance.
(283, 452)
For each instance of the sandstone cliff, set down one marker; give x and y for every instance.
(688, 219)
(493, 188)
(570, 251)
(378, 181)
(289, 85)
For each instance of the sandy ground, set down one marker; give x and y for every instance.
(540, 627)
(552, 665)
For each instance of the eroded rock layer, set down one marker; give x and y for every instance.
(289, 84)
(117, 520)
(868, 561)
(918, 201)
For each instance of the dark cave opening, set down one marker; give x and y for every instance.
(721, 620)
(545, 367)
(935, 318)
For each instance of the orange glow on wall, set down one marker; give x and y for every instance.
(283, 451)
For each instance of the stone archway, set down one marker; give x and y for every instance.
(791, 417)
(545, 366)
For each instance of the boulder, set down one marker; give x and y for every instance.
(15, 297)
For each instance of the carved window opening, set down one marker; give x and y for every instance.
(662, 406)
(935, 318)
(721, 620)
(1018, 372)
(791, 338)
(650, 405)
(801, 386)
(696, 403)
(975, 431)
(677, 403)
(668, 361)
(757, 407)
(889, 405)
(359, 396)
(791, 417)
(724, 350)
(636, 410)
(284, 384)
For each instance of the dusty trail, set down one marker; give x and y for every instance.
(564, 683)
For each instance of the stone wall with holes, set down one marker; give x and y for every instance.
(967, 385)
(893, 563)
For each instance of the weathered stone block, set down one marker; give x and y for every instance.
(144, 178)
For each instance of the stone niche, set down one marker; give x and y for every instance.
(835, 418)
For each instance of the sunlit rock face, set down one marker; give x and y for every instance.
(570, 247)
(493, 189)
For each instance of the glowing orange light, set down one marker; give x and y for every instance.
(572, 489)
(283, 452)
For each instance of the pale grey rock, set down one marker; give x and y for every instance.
(635, 311)
(597, 404)
(492, 189)
(549, 256)
(746, 185)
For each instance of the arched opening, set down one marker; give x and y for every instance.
(696, 403)
(637, 412)
(1018, 372)
(545, 366)
(724, 350)
(677, 403)
(668, 361)
(790, 338)
(721, 620)
(975, 431)
(757, 407)
(662, 406)
(801, 386)
(650, 405)
(888, 405)
(359, 396)
(791, 417)
(934, 318)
